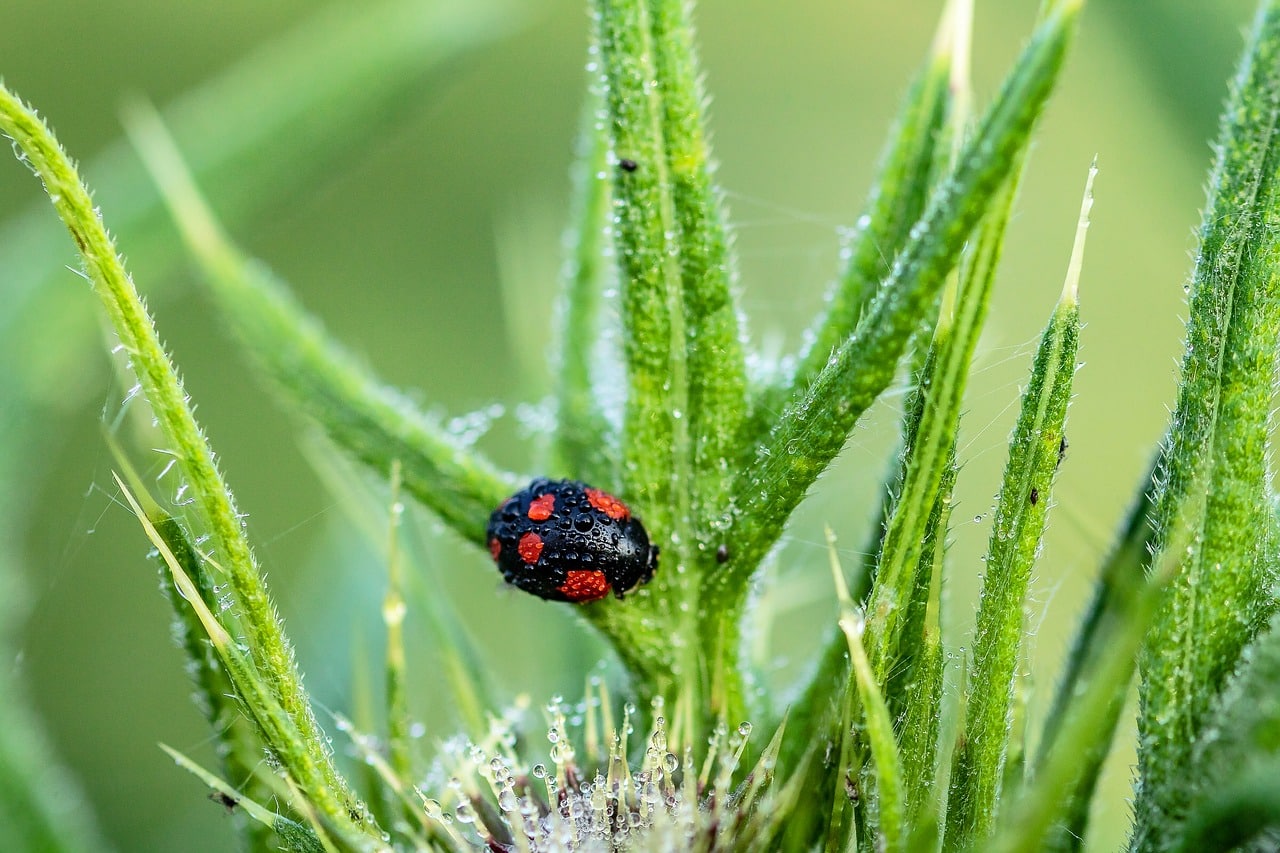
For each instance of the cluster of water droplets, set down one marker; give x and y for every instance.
(467, 429)
(588, 796)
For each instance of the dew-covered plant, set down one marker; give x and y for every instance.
(875, 751)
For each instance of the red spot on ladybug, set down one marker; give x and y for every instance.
(541, 507)
(530, 548)
(608, 504)
(583, 586)
(564, 541)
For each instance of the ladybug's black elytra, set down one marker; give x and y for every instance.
(564, 541)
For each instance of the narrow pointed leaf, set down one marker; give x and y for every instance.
(1215, 476)
(1020, 516)
(889, 797)
(293, 835)
(920, 705)
(908, 172)
(275, 724)
(908, 566)
(935, 110)
(163, 389)
(712, 334)
(1027, 822)
(1123, 576)
(239, 752)
(817, 421)
(659, 441)
(903, 646)
(900, 591)
(371, 421)
(656, 444)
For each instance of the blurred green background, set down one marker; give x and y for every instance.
(432, 249)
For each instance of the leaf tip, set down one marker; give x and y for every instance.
(955, 39)
(1071, 287)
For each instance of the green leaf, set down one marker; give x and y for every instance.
(899, 593)
(1021, 511)
(213, 500)
(294, 835)
(371, 421)
(656, 445)
(888, 798)
(917, 700)
(908, 160)
(908, 172)
(817, 421)
(1213, 484)
(277, 727)
(936, 107)
(904, 644)
(716, 395)
(685, 367)
(239, 751)
(1027, 821)
(1121, 578)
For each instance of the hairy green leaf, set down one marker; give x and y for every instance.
(239, 751)
(716, 399)
(1121, 578)
(685, 367)
(373, 422)
(900, 591)
(908, 160)
(163, 389)
(815, 424)
(1021, 511)
(888, 797)
(1027, 821)
(294, 835)
(908, 172)
(1212, 487)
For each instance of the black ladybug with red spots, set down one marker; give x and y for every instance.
(565, 541)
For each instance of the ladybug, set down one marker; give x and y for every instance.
(565, 541)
